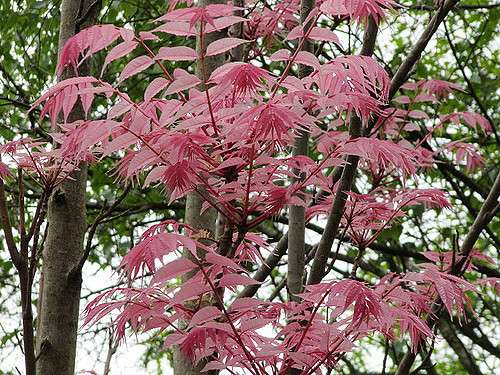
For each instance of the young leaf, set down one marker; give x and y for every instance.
(204, 315)
(223, 45)
(155, 87)
(176, 54)
(135, 66)
(118, 51)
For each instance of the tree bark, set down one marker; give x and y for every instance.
(194, 202)
(297, 214)
(60, 295)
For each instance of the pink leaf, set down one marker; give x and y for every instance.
(307, 58)
(189, 291)
(322, 34)
(183, 83)
(245, 304)
(173, 269)
(220, 260)
(118, 51)
(235, 279)
(119, 143)
(155, 87)
(254, 324)
(88, 41)
(282, 54)
(4, 171)
(223, 45)
(147, 35)
(204, 315)
(135, 66)
(176, 28)
(177, 54)
(418, 114)
(403, 99)
(296, 32)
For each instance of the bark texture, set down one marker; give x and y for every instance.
(60, 294)
(194, 202)
(297, 214)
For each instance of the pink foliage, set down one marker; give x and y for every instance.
(231, 144)
(357, 9)
(467, 151)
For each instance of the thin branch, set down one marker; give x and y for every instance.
(470, 86)
(346, 180)
(7, 228)
(488, 211)
(414, 56)
(267, 267)
(112, 347)
(457, 8)
(464, 356)
(103, 215)
(490, 207)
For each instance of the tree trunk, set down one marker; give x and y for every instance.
(193, 216)
(60, 293)
(297, 214)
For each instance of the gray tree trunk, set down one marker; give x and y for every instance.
(193, 216)
(60, 292)
(297, 214)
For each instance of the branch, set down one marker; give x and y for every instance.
(112, 347)
(15, 103)
(472, 91)
(281, 247)
(367, 267)
(469, 182)
(297, 214)
(18, 88)
(267, 267)
(140, 207)
(466, 202)
(393, 250)
(414, 56)
(489, 209)
(404, 252)
(480, 340)
(88, 246)
(346, 179)
(460, 7)
(7, 229)
(465, 358)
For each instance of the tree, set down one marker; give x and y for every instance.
(29, 54)
(231, 145)
(63, 253)
(193, 214)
